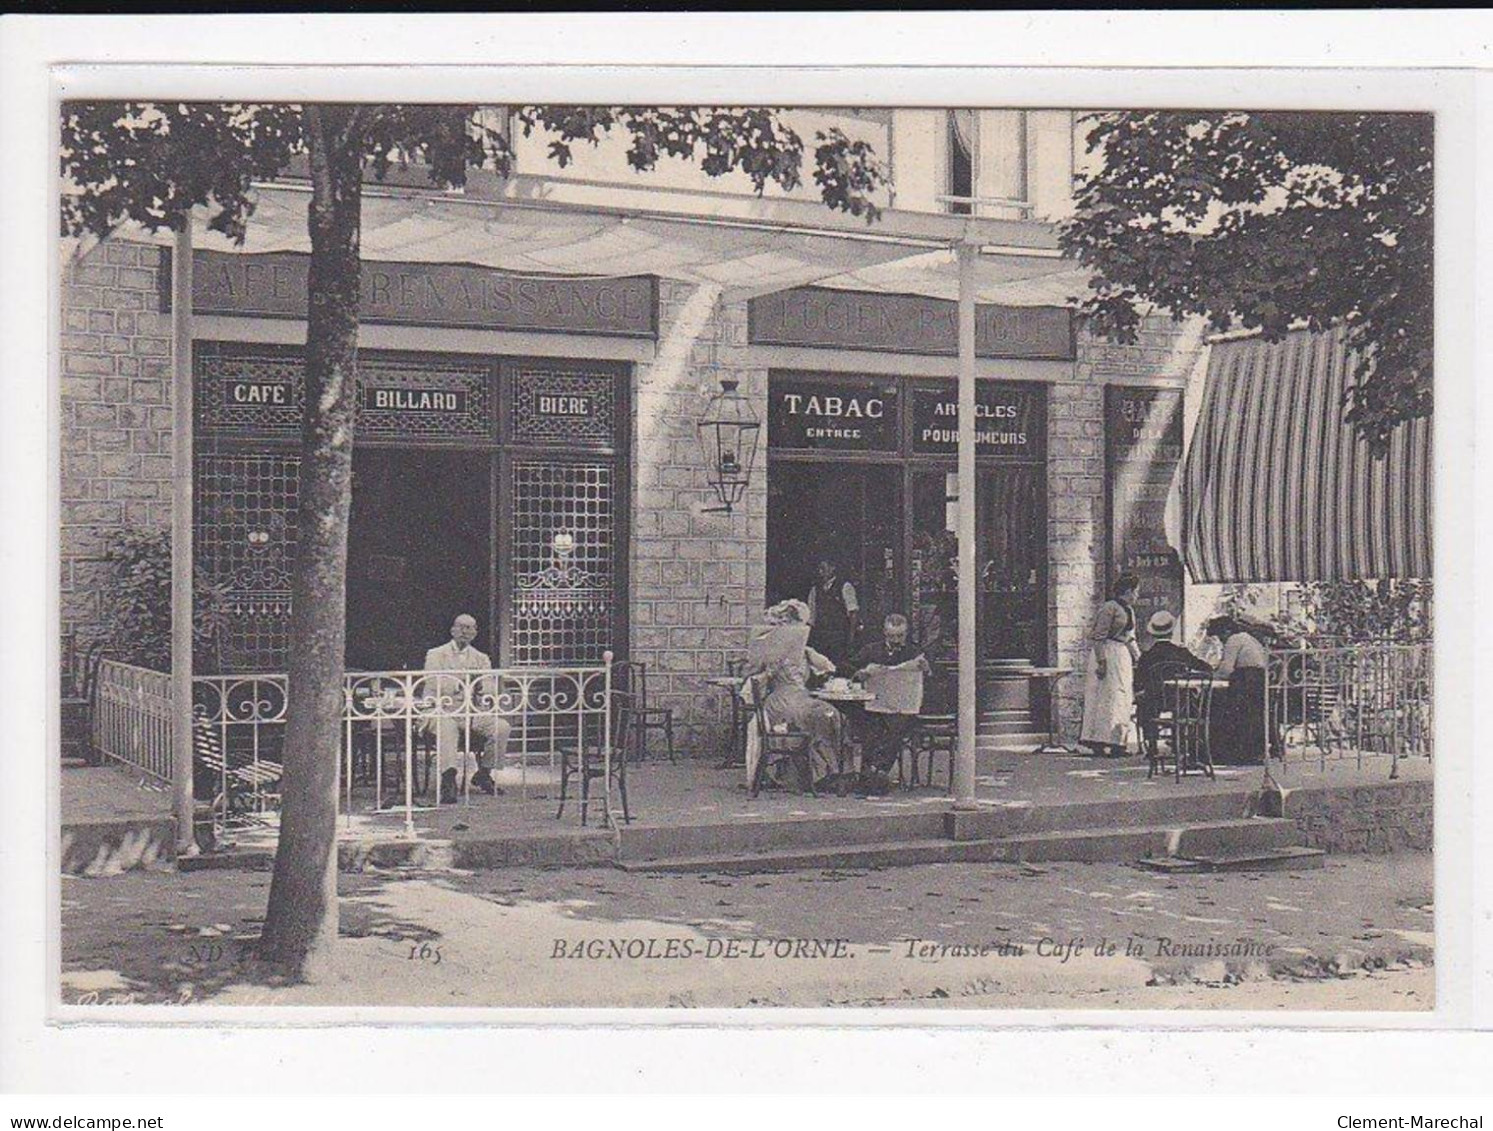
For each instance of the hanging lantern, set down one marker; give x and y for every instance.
(729, 432)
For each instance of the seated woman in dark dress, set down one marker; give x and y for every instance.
(1238, 724)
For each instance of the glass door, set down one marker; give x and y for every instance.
(1010, 617)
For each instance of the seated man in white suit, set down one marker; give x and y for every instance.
(453, 746)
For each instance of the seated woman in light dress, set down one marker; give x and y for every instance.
(780, 649)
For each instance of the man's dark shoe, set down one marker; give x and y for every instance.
(482, 779)
(448, 787)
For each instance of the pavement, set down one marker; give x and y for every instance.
(698, 792)
(1356, 934)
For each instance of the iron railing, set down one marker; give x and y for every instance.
(132, 718)
(1350, 702)
(395, 723)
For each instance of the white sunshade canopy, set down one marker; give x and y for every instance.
(742, 258)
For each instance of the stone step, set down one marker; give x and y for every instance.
(638, 842)
(1024, 740)
(887, 854)
(1245, 838)
(1119, 845)
(1270, 860)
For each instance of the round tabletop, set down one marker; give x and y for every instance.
(850, 696)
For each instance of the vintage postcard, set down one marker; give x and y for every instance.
(534, 553)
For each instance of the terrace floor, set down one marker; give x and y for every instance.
(695, 792)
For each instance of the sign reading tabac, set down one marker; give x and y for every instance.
(888, 323)
(430, 294)
(820, 414)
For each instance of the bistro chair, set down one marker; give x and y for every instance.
(932, 736)
(1154, 718)
(778, 744)
(1182, 727)
(587, 760)
(634, 680)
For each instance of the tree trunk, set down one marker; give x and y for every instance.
(301, 923)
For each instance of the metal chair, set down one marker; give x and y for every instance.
(588, 761)
(778, 745)
(1189, 706)
(930, 736)
(633, 676)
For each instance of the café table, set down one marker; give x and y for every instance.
(1053, 745)
(849, 702)
(733, 749)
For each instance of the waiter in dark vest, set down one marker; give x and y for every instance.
(834, 615)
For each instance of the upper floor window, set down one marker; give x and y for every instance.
(963, 143)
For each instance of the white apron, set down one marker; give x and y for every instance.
(1109, 704)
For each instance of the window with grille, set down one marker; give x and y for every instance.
(244, 530)
(564, 531)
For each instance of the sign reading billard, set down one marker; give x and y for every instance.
(818, 414)
(817, 316)
(430, 294)
(383, 398)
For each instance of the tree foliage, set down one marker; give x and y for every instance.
(1268, 221)
(152, 162)
(137, 602)
(1362, 612)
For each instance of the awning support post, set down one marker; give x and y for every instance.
(964, 764)
(184, 805)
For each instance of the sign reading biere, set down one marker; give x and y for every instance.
(430, 294)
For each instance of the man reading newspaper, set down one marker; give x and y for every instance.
(892, 670)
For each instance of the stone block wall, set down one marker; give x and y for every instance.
(697, 578)
(115, 407)
(1390, 816)
(1165, 352)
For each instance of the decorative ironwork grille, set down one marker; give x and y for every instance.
(243, 393)
(563, 408)
(244, 534)
(263, 395)
(424, 400)
(563, 536)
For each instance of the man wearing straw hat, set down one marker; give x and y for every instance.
(1159, 652)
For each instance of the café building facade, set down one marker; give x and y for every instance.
(527, 451)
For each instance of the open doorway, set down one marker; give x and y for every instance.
(850, 514)
(419, 552)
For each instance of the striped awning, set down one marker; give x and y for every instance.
(1277, 487)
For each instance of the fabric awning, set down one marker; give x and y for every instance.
(743, 259)
(1277, 487)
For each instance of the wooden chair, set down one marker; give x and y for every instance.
(243, 785)
(633, 676)
(587, 760)
(778, 745)
(1155, 717)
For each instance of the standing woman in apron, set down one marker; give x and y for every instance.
(1109, 683)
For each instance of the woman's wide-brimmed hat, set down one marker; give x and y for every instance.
(789, 611)
(1161, 623)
